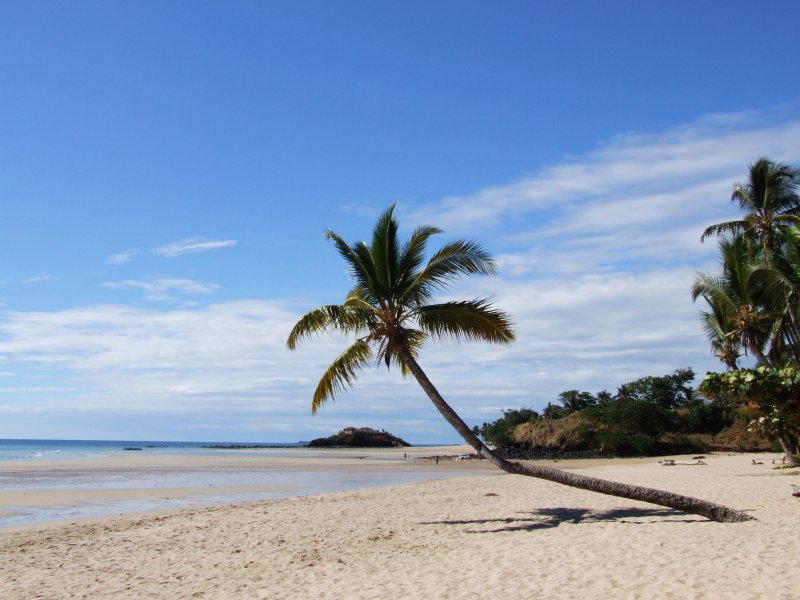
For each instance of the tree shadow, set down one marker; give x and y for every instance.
(547, 518)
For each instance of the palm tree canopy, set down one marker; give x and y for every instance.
(390, 308)
(736, 298)
(769, 200)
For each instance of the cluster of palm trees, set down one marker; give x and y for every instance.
(754, 299)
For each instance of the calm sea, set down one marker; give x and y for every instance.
(71, 449)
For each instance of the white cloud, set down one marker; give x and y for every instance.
(163, 288)
(122, 258)
(632, 165)
(40, 279)
(192, 245)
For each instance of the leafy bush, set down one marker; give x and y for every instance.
(706, 417)
(770, 396)
(501, 431)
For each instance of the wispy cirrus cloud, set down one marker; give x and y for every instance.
(640, 201)
(192, 245)
(163, 288)
(123, 257)
(629, 167)
(40, 278)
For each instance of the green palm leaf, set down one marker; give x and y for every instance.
(344, 319)
(466, 320)
(341, 374)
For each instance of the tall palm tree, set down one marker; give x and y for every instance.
(390, 312)
(770, 202)
(779, 277)
(734, 297)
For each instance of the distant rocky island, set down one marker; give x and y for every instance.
(359, 437)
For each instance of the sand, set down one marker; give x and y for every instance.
(483, 536)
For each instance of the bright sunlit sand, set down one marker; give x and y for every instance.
(484, 536)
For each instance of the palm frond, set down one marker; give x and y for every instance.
(360, 270)
(727, 228)
(368, 277)
(453, 261)
(384, 250)
(466, 320)
(342, 373)
(788, 220)
(714, 289)
(359, 297)
(413, 254)
(344, 319)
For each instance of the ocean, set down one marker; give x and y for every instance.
(75, 449)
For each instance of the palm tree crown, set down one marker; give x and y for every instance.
(389, 308)
(770, 202)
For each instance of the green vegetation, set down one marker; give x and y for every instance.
(754, 302)
(650, 415)
(501, 431)
(770, 396)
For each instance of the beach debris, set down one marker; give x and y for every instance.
(795, 490)
(757, 462)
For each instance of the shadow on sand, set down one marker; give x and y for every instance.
(547, 518)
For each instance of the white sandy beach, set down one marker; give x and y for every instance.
(483, 536)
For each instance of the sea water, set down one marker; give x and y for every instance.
(72, 449)
(277, 482)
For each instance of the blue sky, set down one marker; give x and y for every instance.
(167, 170)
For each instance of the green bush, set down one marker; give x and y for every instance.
(501, 431)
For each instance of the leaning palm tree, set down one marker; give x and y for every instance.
(390, 311)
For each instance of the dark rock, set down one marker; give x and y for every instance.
(525, 452)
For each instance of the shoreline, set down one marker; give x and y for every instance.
(42, 491)
(52, 491)
(481, 536)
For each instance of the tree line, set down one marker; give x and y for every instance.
(634, 420)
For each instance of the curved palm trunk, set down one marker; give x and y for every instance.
(715, 512)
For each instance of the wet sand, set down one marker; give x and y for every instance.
(58, 490)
